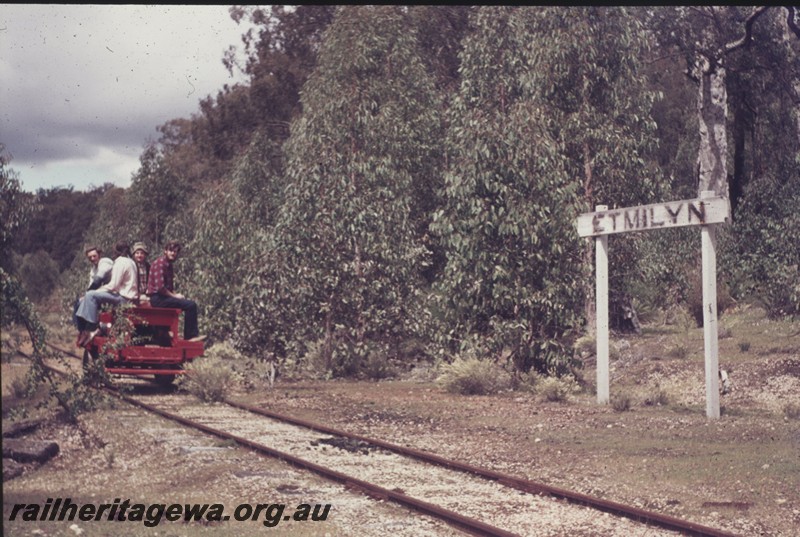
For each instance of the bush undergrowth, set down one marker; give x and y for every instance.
(472, 376)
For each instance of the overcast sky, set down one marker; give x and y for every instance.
(82, 87)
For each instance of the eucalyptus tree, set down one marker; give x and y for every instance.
(513, 258)
(588, 69)
(226, 235)
(345, 239)
(156, 195)
(712, 40)
(221, 241)
(744, 62)
(279, 52)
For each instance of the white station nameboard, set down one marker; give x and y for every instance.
(707, 211)
(712, 210)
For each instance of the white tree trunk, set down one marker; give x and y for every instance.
(712, 103)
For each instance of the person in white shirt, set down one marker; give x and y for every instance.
(99, 274)
(123, 287)
(101, 268)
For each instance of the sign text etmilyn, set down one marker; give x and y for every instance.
(714, 210)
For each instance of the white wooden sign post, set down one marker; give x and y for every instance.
(707, 211)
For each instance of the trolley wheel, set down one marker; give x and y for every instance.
(164, 380)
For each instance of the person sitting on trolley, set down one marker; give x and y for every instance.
(120, 289)
(161, 291)
(99, 274)
(140, 254)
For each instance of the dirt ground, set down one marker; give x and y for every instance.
(740, 473)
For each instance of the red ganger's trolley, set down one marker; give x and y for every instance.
(155, 348)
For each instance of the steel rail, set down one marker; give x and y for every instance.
(470, 525)
(619, 509)
(525, 485)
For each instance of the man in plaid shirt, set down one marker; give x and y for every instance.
(161, 290)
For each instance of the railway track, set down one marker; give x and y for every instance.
(485, 502)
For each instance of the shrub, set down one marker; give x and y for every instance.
(658, 397)
(527, 382)
(679, 317)
(377, 366)
(247, 372)
(223, 351)
(621, 402)
(208, 378)
(792, 411)
(744, 346)
(585, 345)
(679, 351)
(555, 390)
(472, 376)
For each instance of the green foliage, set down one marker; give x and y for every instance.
(588, 69)
(695, 298)
(761, 257)
(217, 256)
(72, 395)
(669, 260)
(39, 275)
(346, 256)
(258, 179)
(279, 56)
(16, 208)
(114, 221)
(157, 193)
(506, 220)
(58, 227)
(440, 31)
(756, 257)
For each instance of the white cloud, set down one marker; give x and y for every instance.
(83, 85)
(81, 172)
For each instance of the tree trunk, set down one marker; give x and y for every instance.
(712, 157)
(739, 178)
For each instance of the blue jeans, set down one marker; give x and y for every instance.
(189, 308)
(79, 323)
(89, 308)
